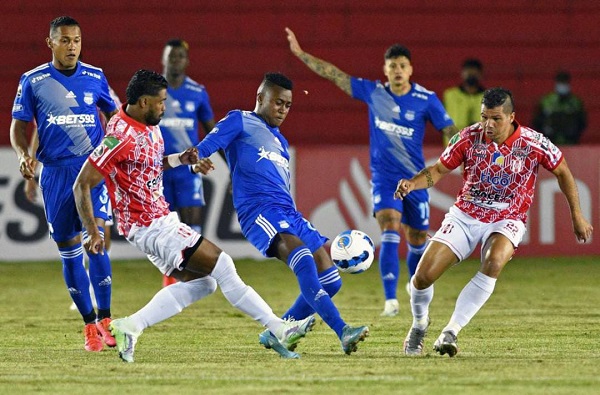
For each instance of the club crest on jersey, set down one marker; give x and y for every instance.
(516, 165)
(479, 150)
(409, 115)
(189, 106)
(88, 98)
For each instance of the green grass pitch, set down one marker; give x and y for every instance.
(538, 334)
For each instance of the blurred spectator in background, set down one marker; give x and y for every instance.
(463, 102)
(560, 115)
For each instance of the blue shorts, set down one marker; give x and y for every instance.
(275, 220)
(182, 188)
(56, 184)
(414, 207)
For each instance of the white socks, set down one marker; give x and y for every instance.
(470, 301)
(171, 300)
(242, 296)
(419, 304)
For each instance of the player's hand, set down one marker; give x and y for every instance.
(583, 229)
(204, 166)
(27, 167)
(403, 188)
(189, 156)
(31, 190)
(294, 46)
(94, 243)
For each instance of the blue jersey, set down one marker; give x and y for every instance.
(65, 110)
(258, 159)
(397, 126)
(185, 106)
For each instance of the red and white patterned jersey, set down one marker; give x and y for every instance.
(131, 160)
(499, 180)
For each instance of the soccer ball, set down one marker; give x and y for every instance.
(352, 251)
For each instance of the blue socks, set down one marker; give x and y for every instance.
(101, 278)
(76, 279)
(389, 266)
(330, 280)
(415, 252)
(303, 265)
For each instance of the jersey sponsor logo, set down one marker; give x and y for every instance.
(17, 108)
(454, 139)
(498, 181)
(39, 78)
(187, 123)
(419, 96)
(273, 157)
(498, 159)
(398, 130)
(72, 120)
(94, 75)
(88, 98)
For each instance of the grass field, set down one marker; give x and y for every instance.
(538, 334)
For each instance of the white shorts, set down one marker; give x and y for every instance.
(164, 241)
(461, 233)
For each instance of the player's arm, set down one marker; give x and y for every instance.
(109, 115)
(187, 157)
(582, 228)
(426, 178)
(447, 134)
(18, 140)
(31, 185)
(319, 66)
(87, 179)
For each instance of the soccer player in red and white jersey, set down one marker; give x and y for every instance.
(131, 160)
(501, 160)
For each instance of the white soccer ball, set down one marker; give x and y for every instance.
(352, 251)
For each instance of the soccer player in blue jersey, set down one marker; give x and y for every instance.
(398, 112)
(188, 105)
(61, 97)
(258, 159)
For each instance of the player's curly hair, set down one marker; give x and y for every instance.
(395, 51)
(144, 82)
(495, 97)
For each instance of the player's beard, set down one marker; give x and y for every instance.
(153, 119)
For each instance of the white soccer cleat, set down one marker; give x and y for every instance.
(391, 308)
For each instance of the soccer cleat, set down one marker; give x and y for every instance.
(125, 338)
(391, 309)
(93, 341)
(292, 331)
(351, 336)
(446, 344)
(413, 344)
(102, 326)
(269, 340)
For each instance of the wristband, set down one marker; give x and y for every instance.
(174, 160)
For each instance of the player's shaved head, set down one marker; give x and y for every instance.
(495, 97)
(62, 21)
(271, 80)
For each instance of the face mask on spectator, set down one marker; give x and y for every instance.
(562, 89)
